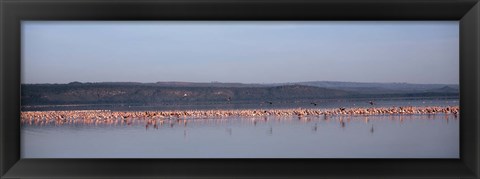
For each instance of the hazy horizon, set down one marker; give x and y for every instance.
(245, 83)
(415, 52)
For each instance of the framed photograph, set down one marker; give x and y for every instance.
(135, 89)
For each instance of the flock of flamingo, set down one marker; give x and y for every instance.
(156, 118)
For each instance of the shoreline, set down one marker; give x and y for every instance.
(110, 116)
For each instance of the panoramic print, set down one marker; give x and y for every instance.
(243, 89)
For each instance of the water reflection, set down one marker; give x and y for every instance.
(270, 131)
(186, 123)
(182, 117)
(355, 136)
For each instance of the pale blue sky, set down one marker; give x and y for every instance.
(247, 52)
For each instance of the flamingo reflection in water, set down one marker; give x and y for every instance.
(171, 118)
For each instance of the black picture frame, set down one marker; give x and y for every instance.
(12, 12)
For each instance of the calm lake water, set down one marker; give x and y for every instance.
(399, 136)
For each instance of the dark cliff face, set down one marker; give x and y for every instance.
(107, 93)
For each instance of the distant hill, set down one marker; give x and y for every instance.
(190, 93)
(211, 84)
(125, 93)
(350, 86)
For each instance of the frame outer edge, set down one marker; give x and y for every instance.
(476, 17)
(470, 36)
(2, 172)
(476, 9)
(9, 147)
(476, 35)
